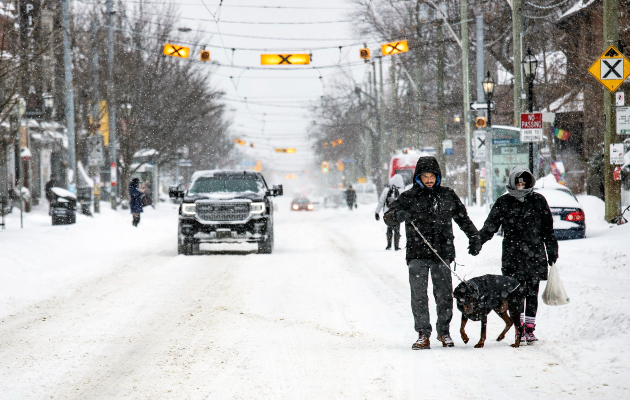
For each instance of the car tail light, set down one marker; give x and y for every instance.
(575, 216)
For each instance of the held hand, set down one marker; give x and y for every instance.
(474, 247)
(402, 216)
(377, 217)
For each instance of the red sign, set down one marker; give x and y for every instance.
(531, 127)
(617, 174)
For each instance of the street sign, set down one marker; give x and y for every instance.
(447, 146)
(531, 127)
(482, 106)
(391, 48)
(611, 69)
(623, 120)
(95, 150)
(290, 59)
(479, 146)
(285, 150)
(174, 50)
(616, 153)
(620, 99)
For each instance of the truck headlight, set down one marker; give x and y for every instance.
(257, 208)
(189, 208)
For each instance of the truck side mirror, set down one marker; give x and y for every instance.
(278, 189)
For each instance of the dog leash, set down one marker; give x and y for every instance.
(436, 253)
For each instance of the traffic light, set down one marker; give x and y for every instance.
(204, 55)
(480, 122)
(285, 150)
(176, 51)
(289, 59)
(325, 167)
(389, 49)
(364, 54)
(340, 166)
(336, 142)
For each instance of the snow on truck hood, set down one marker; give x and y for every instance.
(229, 195)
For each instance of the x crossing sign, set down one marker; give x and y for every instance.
(176, 51)
(388, 49)
(611, 69)
(282, 59)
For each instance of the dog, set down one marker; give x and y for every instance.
(477, 297)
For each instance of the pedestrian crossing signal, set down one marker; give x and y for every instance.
(480, 122)
(325, 167)
(204, 55)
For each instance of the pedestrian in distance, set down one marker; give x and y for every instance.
(529, 244)
(135, 202)
(48, 189)
(430, 207)
(389, 194)
(351, 197)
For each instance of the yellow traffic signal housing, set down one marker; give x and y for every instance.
(480, 122)
(174, 50)
(325, 167)
(364, 54)
(239, 141)
(204, 55)
(391, 48)
(289, 59)
(336, 142)
(340, 166)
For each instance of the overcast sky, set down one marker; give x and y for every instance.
(286, 94)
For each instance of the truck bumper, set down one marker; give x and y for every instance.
(252, 231)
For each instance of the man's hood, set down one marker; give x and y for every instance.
(427, 164)
(397, 180)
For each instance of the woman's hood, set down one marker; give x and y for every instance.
(523, 175)
(397, 180)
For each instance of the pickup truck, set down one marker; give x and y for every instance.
(225, 207)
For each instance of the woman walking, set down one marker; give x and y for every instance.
(135, 202)
(529, 243)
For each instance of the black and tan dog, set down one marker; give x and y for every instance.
(477, 297)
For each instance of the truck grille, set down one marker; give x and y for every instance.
(222, 211)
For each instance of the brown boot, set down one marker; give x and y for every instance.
(422, 342)
(446, 340)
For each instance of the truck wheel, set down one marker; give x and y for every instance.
(72, 219)
(55, 221)
(266, 246)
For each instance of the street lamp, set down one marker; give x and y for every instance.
(530, 64)
(49, 103)
(488, 90)
(457, 118)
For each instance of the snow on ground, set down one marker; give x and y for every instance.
(102, 309)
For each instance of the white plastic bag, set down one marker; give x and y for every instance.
(554, 294)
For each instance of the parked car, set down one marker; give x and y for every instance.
(302, 204)
(366, 193)
(568, 214)
(225, 207)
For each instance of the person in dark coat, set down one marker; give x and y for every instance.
(351, 197)
(529, 244)
(135, 202)
(431, 207)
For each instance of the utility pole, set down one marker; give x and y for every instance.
(376, 144)
(440, 94)
(69, 109)
(466, 93)
(517, 28)
(393, 114)
(480, 59)
(419, 76)
(381, 106)
(96, 112)
(111, 103)
(612, 188)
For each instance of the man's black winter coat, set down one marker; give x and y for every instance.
(432, 210)
(527, 230)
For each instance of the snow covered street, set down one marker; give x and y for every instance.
(102, 309)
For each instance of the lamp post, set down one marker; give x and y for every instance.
(530, 64)
(488, 90)
(49, 104)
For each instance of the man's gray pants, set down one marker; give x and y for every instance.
(442, 292)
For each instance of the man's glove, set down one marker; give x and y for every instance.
(377, 217)
(402, 216)
(552, 256)
(474, 247)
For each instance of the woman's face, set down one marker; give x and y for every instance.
(520, 186)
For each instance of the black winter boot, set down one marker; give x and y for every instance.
(397, 242)
(389, 240)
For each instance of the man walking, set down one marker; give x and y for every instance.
(389, 195)
(351, 197)
(430, 207)
(529, 243)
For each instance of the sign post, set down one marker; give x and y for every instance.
(479, 146)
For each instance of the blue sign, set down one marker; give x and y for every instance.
(248, 163)
(449, 152)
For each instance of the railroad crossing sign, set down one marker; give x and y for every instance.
(278, 59)
(479, 146)
(611, 69)
(389, 49)
(176, 51)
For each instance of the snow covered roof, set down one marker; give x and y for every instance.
(145, 153)
(570, 102)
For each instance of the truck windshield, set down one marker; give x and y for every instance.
(407, 175)
(225, 184)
